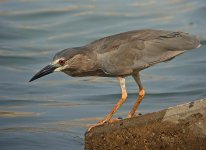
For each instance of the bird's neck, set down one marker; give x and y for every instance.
(82, 65)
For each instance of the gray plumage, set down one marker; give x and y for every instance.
(124, 53)
(121, 55)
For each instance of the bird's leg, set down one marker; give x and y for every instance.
(140, 97)
(121, 101)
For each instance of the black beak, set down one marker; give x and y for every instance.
(45, 71)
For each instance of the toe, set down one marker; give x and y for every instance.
(98, 124)
(114, 120)
(130, 116)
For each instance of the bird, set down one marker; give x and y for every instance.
(121, 55)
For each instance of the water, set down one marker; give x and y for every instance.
(54, 112)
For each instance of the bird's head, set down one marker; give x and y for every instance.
(56, 65)
(67, 61)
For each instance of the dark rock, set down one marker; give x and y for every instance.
(179, 127)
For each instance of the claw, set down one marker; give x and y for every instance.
(98, 124)
(103, 122)
(134, 115)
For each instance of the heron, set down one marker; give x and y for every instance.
(121, 55)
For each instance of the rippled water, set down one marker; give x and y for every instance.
(54, 112)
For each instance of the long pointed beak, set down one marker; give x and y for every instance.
(45, 71)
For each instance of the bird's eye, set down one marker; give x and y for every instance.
(61, 62)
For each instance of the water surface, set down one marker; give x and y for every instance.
(54, 112)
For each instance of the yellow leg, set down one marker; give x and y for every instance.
(141, 94)
(116, 107)
(136, 105)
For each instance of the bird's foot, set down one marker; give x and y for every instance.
(131, 115)
(103, 122)
(97, 124)
(134, 115)
(114, 120)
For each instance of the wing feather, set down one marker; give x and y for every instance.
(135, 50)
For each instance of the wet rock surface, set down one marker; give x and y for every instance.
(179, 127)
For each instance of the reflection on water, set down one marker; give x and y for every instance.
(17, 114)
(54, 112)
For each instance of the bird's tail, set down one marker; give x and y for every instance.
(188, 41)
(199, 46)
(179, 41)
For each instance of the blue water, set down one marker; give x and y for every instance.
(55, 111)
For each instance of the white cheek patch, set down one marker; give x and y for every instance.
(55, 62)
(58, 69)
(61, 68)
